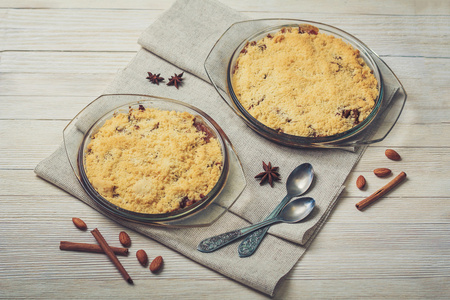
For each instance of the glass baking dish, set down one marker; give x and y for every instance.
(81, 129)
(220, 63)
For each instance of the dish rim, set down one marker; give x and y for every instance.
(303, 139)
(143, 217)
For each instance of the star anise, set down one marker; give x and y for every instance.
(154, 78)
(270, 174)
(175, 80)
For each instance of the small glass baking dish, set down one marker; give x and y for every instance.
(220, 63)
(81, 129)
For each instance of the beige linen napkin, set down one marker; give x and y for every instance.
(180, 41)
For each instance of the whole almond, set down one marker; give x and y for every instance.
(124, 239)
(360, 182)
(142, 257)
(156, 264)
(392, 154)
(79, 223)
(382, 172)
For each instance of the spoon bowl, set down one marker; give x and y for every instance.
(294, 212)
(300, 180)
(297, 210)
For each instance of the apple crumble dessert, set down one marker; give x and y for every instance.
(304, 83)
(153, 161)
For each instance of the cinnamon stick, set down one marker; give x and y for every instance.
(107, 249)
(70, 246)
(381, 192)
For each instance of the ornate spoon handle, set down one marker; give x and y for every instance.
(213, 243)
(251, 242)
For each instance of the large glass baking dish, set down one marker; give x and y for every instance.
(220, 63)
(80, 130)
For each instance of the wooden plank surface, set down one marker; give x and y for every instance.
(396, 249)
(400, 7)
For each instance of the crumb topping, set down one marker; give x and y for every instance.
(305, 83)
(153, 161)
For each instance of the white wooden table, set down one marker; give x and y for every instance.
(57, 56)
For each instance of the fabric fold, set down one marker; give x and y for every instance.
(184, 34)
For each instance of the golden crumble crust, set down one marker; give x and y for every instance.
(304, 83)
(153, 161)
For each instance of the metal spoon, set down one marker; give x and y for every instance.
(297, 184)
(294, 212)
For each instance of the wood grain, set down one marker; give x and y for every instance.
(111, 30)
(401, 7)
